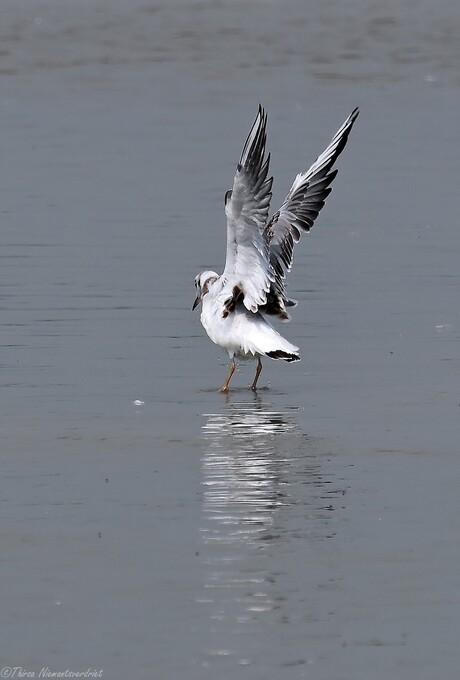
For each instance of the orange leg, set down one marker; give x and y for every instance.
(224, 387)
(258, 372)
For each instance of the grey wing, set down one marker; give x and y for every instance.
(248, 273)
(298, 213)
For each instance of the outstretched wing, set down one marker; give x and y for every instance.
(298, 213)
(248, 273)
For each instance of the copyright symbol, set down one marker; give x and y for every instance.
(6, 672)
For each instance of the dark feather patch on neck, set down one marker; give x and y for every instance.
(207, 283)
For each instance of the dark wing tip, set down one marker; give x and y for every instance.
(254, 146)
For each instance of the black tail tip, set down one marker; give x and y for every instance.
(286, 356)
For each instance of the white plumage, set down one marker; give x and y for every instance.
(241, 333)
(260, 251)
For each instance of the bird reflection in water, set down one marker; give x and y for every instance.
(242, 467)
(264, 490)
(243, 490)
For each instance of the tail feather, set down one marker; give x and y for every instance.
(258, 336)
(286, 356)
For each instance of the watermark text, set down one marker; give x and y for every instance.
(47, 673)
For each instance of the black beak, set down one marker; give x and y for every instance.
(197, 302)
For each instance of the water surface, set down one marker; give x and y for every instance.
(308, 531)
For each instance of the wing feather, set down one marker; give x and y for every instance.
(247, 264)
(298, 213)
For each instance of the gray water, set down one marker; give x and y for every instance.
(152, 528)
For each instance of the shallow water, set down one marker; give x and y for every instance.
(308, 531)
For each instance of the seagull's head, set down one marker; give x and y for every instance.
(202, 283)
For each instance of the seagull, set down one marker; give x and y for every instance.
(260, 251)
